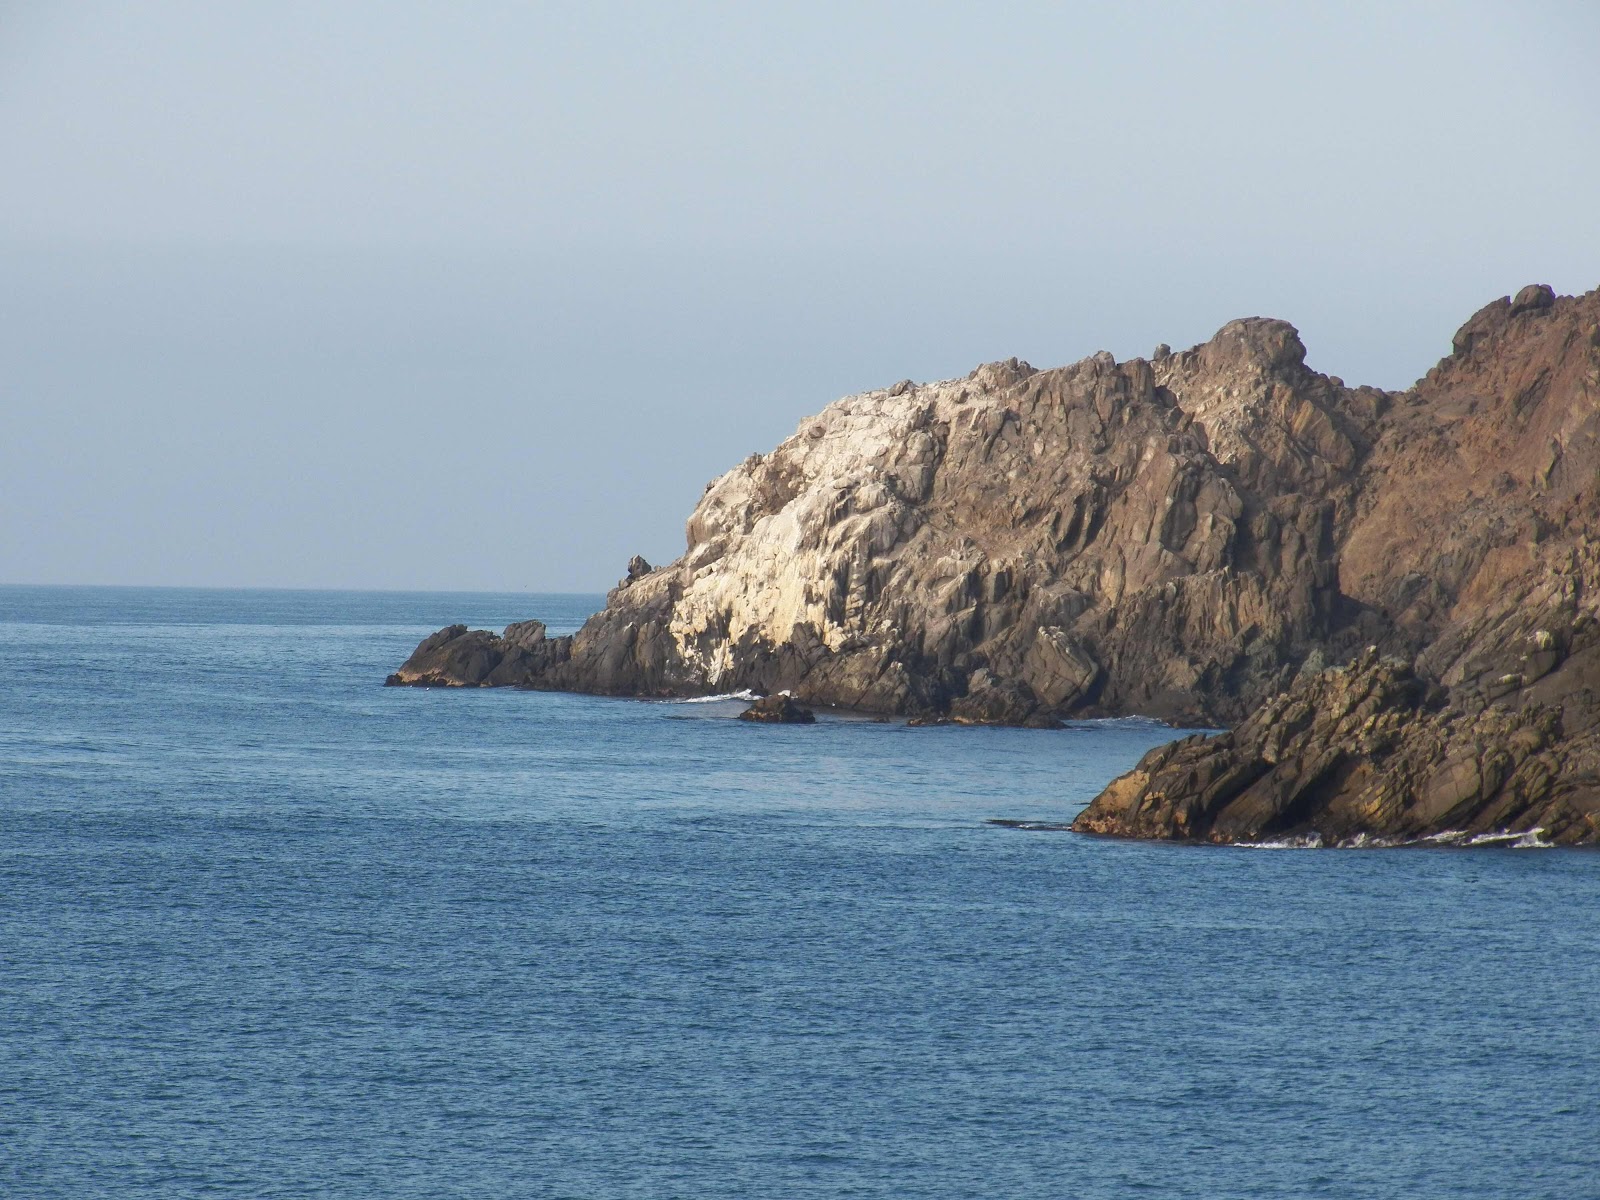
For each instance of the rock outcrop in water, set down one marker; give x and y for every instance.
(778, 709)
(460, 657)
(1191, 537)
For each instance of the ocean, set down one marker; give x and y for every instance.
(268, 929)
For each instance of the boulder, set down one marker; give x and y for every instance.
(1536, 297)
(992, 701)
(638, 568)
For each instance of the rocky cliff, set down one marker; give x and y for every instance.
(1191, 536)
(1149, 536)
(1470, 555)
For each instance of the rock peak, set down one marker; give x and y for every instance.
(1273, 343)
(1494, 318)
(1001, 374)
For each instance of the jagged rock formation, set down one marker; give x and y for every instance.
(1181, 537)
(1473, 555)
(1362, 754)
(459, 657)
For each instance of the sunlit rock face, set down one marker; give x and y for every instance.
(1121, 537)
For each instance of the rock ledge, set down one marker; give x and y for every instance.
(1360, 755)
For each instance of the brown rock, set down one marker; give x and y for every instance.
(458, 657)
(1536, 297)
(1364, 754)
(992, 701)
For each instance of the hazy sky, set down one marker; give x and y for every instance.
(482, 295)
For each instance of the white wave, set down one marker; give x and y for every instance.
(1370, 841)
(1526, 840)
(721, 698)
(1310, 841)
(1530, 839)
(1127, 723)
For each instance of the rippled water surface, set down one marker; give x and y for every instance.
(268, 929)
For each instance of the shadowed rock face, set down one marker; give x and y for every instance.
(459, 657)
(1361, 753)
(1182, 537)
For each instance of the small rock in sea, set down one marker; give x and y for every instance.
(779, 709)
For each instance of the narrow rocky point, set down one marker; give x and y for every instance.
(1201, 537)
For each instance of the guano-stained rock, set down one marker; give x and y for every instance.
(1074, 540)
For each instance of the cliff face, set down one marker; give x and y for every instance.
(1473, 555)
(1187, 537)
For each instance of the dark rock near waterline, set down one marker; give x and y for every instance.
(1367, 752)
(459, 657)
(778, 710)
(992, 701)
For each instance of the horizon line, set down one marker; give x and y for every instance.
(213, 587)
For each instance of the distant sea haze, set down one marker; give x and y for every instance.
(271, 929)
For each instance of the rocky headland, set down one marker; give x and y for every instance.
(1389, 596)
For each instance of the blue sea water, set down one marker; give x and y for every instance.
(268, 929)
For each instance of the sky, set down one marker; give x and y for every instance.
(481, 296)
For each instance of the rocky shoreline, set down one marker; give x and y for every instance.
(1366, 753)
(1202, 537)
